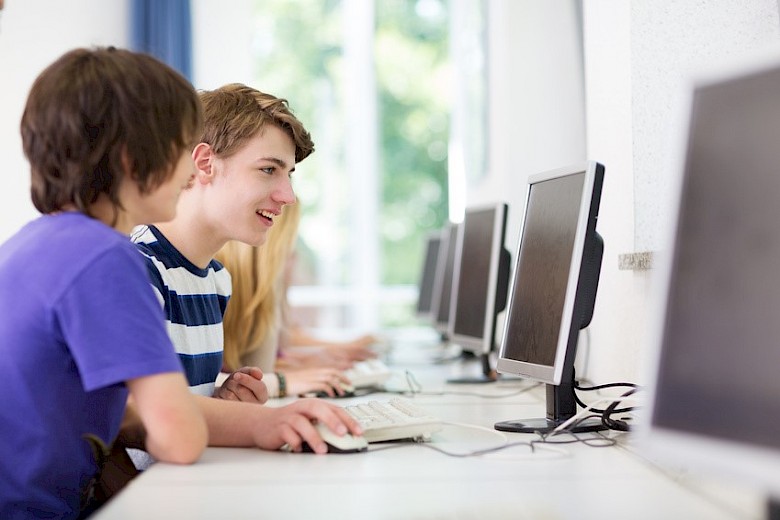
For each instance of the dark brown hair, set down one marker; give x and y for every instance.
(235, 113)
(91, 109)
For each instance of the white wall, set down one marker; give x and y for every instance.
(536, 99)
(670, 39)
(615, 336)
(635, 56)
(221, 42)
(33, 33)
(639, 56)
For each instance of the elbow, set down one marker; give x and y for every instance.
(184, 455)
(186, 447)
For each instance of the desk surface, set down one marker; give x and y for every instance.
(413, 481)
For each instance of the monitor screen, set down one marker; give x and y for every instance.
(480, 278)
(428, 275)
(554, 281)
(717, 333)
(443, 296)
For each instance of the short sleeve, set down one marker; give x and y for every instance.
(112, 322)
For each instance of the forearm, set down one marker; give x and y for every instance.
(296, 336)
(178, 435)
(230, 423)
(175, 430)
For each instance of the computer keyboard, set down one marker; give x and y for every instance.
(395, 419)
(369, 373)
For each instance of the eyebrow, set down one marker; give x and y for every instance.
(278, 162)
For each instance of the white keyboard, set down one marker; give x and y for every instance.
(395, 419)
(369, 373)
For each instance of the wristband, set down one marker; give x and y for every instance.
(282, 384)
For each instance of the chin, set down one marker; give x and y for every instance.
(255, 241)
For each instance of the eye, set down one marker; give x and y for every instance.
(268, 169)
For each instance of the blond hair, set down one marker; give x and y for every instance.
(258, 287)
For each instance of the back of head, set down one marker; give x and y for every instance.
(235, 113)
(259, 287)
(95, 114)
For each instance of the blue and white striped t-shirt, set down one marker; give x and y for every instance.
(194, 300)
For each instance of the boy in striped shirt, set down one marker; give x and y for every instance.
(249, 148)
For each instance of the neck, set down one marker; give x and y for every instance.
(194, 240)
(104, 211)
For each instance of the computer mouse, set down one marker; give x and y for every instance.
(349, 391)
(346, 443)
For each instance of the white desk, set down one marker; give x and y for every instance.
(416, 482)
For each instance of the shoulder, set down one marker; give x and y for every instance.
(57, 249)
(164, 262)
(153, 244)
(219, 271)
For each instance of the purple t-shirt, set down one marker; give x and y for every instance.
(78, 317)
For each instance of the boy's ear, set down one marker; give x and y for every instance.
(127, 164)
(203, 156)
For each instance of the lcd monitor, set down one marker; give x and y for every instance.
(480, 279)
(442, 297)
(427, 280)
(715, 391)
(553, 289)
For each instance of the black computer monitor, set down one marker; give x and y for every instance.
(553, 288)
(715, 385)
(427, 279)
(443, 295)
(480, 279)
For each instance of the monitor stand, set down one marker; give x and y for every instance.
(561, 406)
(489, 374)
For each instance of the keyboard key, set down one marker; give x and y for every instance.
(395, 419)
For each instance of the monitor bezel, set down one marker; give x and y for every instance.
(485, 343)
(436, 235)
(552, 374)
(441, 271)
(746, 462)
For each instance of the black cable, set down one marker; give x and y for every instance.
(601, 411)
(616, 424)
(600, 387)
(597, 441)
(634, 388)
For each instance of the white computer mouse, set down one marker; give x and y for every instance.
(346, 443)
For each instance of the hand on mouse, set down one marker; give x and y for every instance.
(292, 425)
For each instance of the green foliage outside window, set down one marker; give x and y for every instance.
(298, 56)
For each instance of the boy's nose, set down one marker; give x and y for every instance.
(284, 192)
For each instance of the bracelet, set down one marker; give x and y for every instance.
(282, 384)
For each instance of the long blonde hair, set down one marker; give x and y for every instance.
(258, 287)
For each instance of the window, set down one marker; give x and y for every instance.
(373, 83)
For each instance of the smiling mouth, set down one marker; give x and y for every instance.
(267, 215)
